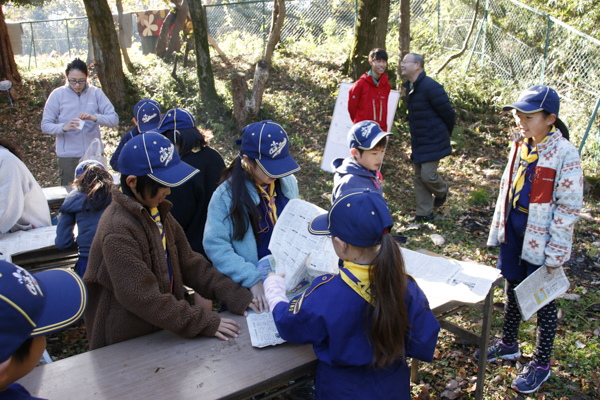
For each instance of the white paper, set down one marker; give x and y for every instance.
(449, 279)
(81, 124)
(24, 241)
(539, 289)
(337, 142)
(291, 244)
(263, 331)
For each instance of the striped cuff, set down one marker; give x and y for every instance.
(275, 290)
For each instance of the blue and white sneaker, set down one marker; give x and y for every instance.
(531, 378)
(498, 350)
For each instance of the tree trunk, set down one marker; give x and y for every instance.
(107, 54)
(404, 38)
(206, 79)
(122, 38)
(277, 19)
(180, 18)
(163, 36)
(239, 88)
(8, 66)
(369, 33)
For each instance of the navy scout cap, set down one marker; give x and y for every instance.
(147, 114)
(536, 98)
(365, 135)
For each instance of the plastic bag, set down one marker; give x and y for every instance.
(95, 152)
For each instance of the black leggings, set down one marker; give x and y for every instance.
(547, 322)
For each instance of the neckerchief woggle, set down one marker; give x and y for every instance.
(270, 201)
(357, 277)
(527, 158)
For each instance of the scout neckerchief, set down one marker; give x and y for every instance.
(528, 156)
(156, 217)
(269, 198)
(357, 277)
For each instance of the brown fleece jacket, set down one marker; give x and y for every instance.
(127, 278)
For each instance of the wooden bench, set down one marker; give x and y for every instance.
(56, 195)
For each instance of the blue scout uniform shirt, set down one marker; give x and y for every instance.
(330, 316)
(509, 259)
(265, 225)
(16, 391)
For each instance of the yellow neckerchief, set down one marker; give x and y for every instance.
(357, 277)
(156, 217)
(527, 159)
(270, 200)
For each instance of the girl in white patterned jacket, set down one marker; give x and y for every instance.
(541, 194)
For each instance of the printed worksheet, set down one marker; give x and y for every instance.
(539, 289)
(263, 331)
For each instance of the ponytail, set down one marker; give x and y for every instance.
(96, 183)
(388, 317)
(243, 211)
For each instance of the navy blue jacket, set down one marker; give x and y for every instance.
(71, 213)
(330, 316)
(190, 200)
(431, 119)
(351, 175)
(114, 161)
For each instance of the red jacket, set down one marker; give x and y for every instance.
(368, 101)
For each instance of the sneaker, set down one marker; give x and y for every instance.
(531, 378)
(498, 350)
(422, 218)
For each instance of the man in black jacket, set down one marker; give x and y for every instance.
(431, 120)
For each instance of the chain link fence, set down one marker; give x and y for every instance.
(511, 43)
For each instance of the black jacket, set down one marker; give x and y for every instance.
(190, 200)
(431, 119)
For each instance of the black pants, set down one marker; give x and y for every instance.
(547, 322)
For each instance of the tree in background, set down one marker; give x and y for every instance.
(107, 54)
(8, 66)
(370, 32)
(404, 38)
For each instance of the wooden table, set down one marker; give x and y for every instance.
(165, 366)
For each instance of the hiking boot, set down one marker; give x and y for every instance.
(498, 350)
(531, 378)
(422, 218)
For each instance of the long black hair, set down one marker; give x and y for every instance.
(558, 124)
(188, 139)
(243, 211)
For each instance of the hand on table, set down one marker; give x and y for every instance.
(227, 327)
(258, 291)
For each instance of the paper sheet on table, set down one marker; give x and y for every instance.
(263, 331)
(539, 289)
(267, 264)
(24, 241)
(294, 247)
(449, 279)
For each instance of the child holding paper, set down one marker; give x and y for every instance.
(541, 194)
(243, 210)
(364, 322)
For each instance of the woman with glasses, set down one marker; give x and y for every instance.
(74, 113)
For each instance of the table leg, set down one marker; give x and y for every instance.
(483, 342)
(414, 371)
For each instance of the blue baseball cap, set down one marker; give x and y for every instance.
(357, 217)
(365, 135)
(174, 119)
(82, 166)
(154, 155)
(36, 305)
(536, 98)
(268, 144)
(147, 115)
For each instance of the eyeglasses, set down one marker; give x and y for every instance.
(77, 82)
(407, 61)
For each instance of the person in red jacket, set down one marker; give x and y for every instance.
(369, 95)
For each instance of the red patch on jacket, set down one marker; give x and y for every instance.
(542, 185)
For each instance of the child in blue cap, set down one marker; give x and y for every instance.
(541, 194)
(190, 200)
(83, 207)
(364, 322)
(140, 259)
(367, 144)
(32, 306)
(146, 117)
(244, 209)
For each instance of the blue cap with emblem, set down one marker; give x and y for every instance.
(36, 305)
(536, 98)
(359, 218)
(268, 144)
(365, 135)
(154, 155)
(147, 114)
(174, 119)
